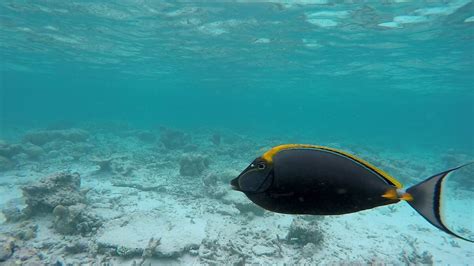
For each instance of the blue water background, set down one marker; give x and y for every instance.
(260, 69)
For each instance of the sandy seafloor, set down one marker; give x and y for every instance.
(174, 186)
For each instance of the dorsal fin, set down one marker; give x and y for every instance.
(268, 156)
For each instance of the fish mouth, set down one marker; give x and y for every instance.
(234, 184)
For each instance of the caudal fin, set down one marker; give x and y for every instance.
(427, 200)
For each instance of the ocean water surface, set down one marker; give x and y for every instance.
(122, 124)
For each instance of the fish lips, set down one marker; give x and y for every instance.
(234, 183)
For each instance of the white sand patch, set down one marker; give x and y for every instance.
(331, 14)
(410, 19)
(322, 22)
(469, 19)
(262, 40)
(311, 43)
(177, 234)
(8, 193)
(390, 24)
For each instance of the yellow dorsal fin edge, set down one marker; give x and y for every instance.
(268, 156)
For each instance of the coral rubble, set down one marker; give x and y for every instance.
(58, 189)
(41, 137)
(193, 164)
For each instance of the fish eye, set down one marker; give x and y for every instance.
(261, 166)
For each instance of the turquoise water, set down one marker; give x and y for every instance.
(246, 66)
(395, 76)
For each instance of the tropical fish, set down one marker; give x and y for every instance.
(308, 179)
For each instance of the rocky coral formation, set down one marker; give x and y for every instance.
(25, 231)
(6, 164)
(216, 139)
(10, 153)
(117, 165)
(414, 256)
(13, 213)
(75, 220)
(57, 189)
(41, 137)
(216, 184)
(9, 150)
(173, 139)
(7, 245)
(104, 164)
(303, 231)
(193, 164)
(146, 136)
(33, 152)
(18, 255)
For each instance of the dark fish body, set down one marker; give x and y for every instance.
(317, 180)
(313, 181)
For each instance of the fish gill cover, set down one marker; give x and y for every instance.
(124, 121)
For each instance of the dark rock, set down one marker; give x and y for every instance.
(7, 245)
(76, 247)
(74, 220)
(14, 211)
(25, 231)
(51, 191)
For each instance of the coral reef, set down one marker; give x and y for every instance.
(117, 165)
(193, 164)
(77, 246)
(12, 254)
(75, 220)
(414, 256)
(13, 213)
(25, 231)
(104, 164)
(9, 150)
(6, 164)
(173, 139)
(146, 136)
(7, 245)
(41, 137)
(141, 208)
(216, 183)
(58, 189)
(216, 139)
(33, 151)
(302, 232)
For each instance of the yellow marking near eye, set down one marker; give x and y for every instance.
(268, 157)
